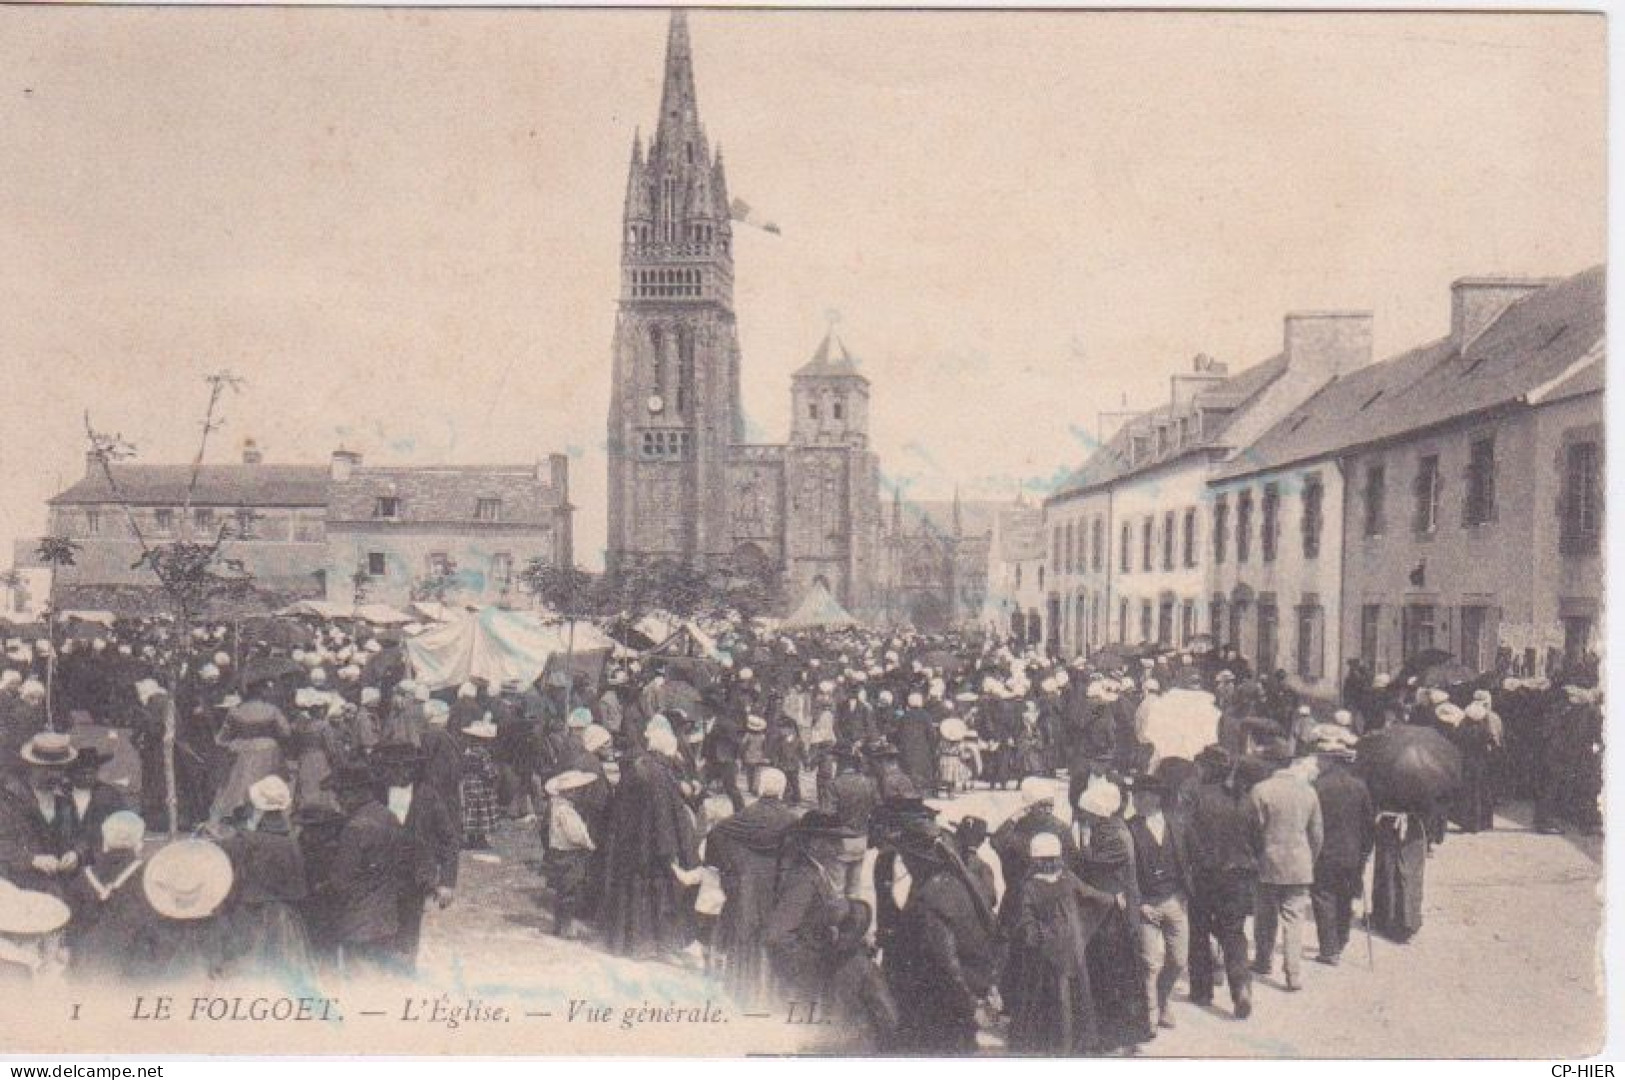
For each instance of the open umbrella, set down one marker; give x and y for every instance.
(1409, 768)
(270, 668)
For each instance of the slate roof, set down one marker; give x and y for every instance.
(1549, 341)
(444, 495)
(224, 484)
(831, 361)
(1114, 460)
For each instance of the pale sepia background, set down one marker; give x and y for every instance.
(402, 226)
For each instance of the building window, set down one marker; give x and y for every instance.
(1190, 537)
(1311, 654)
(1124, 548)
(203, 521)
(387, 507)
(1094, 618)
(93, 522)
(439, 564)
(1477, 638)
(501, 571)
(487, 509)
(1314, 497)
(376, 564)
(1582, 512)
(1066, 555)
(1165, 623)
(1187, 622)
(1375, 488)
(1238, 617)
(1018, 579)
(1145, 543)
(1425, 519)
(812, 410)
(666, 445)
(1168, 540)
(1184, 431)
(1370, 623)
(1269, 626)
(837, 409)
(1244, 526)
(1480, 508)
(1162, 442)
(1269, 529)
(1577, 631)
(246, 520)
(1418, 629)
(1040, 575)
(1215, 620)
(1096, 542)
(1122, 620)
(1221, 527)
(1145, 620)
(163, 522)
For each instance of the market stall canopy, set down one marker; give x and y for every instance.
(495, 645)
(318, 609)
(435, 611)
(818, 608)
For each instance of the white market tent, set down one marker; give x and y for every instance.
(319, 609)
(818, 608)
(495, 645)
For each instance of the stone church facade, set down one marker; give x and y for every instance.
(684, 485)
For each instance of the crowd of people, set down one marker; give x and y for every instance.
(787, 813)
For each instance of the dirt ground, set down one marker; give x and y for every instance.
(1506, 964)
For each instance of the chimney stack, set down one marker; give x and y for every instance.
(343, 464)
(558, 467)
(251, 452)
(1476, 302)
(1327, 344)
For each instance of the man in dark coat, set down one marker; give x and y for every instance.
(745, 851)
(1348, 824)
(36, 817)
(940, 954)
(93, 801)
(721, 753)
(1224, 879)
(436, 839)
(373, 873)
(649, 856)
(851, 795)
(800, 929)
(1162, 865)
(916, 740)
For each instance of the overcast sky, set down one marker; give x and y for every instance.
(402, 226)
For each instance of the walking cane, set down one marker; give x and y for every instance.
(1365, 902)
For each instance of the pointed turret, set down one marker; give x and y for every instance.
(959, 525)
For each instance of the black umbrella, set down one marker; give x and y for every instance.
(270, 668)
(1409, 768)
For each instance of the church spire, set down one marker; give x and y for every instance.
(959, 529)
(679, 108)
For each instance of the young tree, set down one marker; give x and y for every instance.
(190, 571)
(570, 596)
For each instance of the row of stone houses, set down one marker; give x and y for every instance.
(1318, 507)
(389, 534)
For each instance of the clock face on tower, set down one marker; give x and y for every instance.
(656, 404)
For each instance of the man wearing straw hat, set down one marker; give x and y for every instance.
(36, 817)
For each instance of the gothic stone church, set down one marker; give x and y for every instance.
(683, 482)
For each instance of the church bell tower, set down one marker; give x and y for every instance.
(674, 407)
